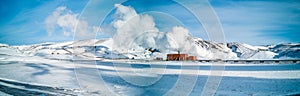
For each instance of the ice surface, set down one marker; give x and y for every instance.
(238, 79)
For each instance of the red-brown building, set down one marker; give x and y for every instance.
(193, 58)
(179, 57)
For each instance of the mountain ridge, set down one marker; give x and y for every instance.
(91, 49)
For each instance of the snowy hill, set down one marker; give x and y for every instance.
(288, 51)
(104, 49)
(245, 51)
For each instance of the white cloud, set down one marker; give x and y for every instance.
(65, 21)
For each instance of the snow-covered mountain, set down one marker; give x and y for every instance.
(104, 49)
(286, 50)
(245, 51)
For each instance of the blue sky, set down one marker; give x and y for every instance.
(256, 22)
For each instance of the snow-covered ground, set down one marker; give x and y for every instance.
(38, 75)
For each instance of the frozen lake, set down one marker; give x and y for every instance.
(87, 77)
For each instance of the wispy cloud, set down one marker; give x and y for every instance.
(65, 21)
(27, 21)
(259, 22)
